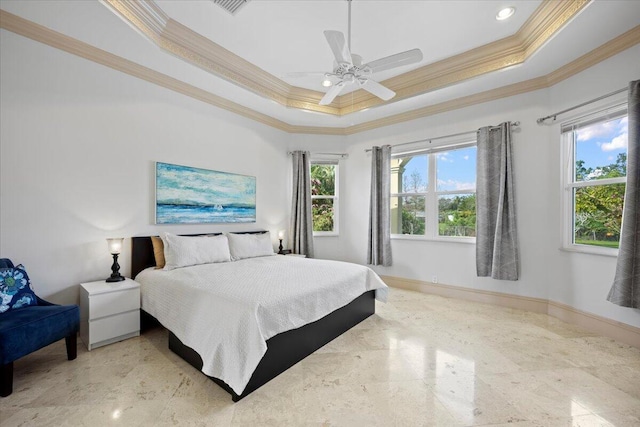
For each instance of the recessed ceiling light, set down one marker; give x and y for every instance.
(505, 13)
(326, 83)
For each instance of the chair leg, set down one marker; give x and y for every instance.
(72, 346)
(6, 379)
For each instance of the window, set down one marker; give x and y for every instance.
(595, 158)
(433, 193)
(324, 197)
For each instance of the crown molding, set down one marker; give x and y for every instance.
(76, 47)
(607, 50)
(604, 51)
(145, 17)
(454, 104)
(196, 49)
(73, 46)
(543, 24)
(186, 44)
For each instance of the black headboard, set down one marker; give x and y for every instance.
(142, 250)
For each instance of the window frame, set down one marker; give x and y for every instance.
(569, 184)
(432, 195)
(335, 198)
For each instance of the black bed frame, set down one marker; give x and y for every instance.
(283, 350)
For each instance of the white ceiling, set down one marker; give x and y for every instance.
(287, 36)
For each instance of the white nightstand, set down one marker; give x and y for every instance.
(109, 312)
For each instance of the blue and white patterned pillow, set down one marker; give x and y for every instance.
(15, 289)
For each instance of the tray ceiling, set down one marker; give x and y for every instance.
(240, 62)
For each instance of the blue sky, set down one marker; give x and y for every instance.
(600, 144)
(456, 169)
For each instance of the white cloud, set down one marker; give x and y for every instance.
(444, 157)
(597, 130)
(451, 184)
(604, 130)
(614, 132)
(466, 157)
(617, 143)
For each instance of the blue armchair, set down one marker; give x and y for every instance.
(27, 327)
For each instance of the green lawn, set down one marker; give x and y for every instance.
(603, 243)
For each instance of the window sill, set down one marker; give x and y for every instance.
(464, 240)
(326, 234)
(584, 249)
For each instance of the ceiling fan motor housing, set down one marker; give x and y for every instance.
(348, 68)
(352, 71)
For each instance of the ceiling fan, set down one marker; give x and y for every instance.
(349, 69)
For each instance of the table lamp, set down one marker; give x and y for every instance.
(115, 247)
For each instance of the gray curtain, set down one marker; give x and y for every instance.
(379, 251)
(301, 235)
(626, 283)
(496, 235)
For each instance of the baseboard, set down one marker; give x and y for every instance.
(597, 324)
(537, 305)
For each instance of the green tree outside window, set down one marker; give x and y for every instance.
(323, 193)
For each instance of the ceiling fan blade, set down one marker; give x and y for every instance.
(399, 59)
(331, 94)
(375, 88)
(339, 46)
(297, 74)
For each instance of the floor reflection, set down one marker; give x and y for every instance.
(455, 384)
(420, 360)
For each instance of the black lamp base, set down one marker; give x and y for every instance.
(115, 271)
(280, 247)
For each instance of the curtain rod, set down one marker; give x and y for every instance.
(442, 137)
(553, 116)
(342, 155)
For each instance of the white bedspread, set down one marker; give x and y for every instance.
(227, 311)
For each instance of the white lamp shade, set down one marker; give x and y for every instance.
(115, 245)
(281, 234)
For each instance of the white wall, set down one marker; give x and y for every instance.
(78, 142)
(453, 263)
(579, 280)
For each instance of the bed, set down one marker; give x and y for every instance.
(278, 350)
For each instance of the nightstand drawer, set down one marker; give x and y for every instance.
(107, 304)
(109, 328)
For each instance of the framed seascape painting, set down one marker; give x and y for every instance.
(186, 195)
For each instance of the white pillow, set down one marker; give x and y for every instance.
(182, 251)
(249, 245)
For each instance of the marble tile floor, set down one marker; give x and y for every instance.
(421, 360)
